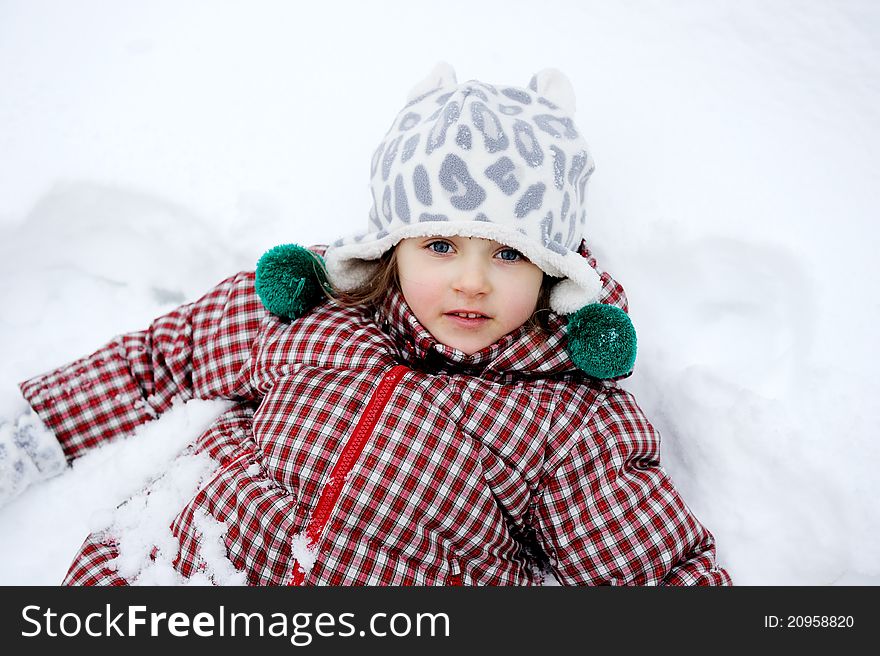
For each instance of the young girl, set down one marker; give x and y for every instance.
(432, 401)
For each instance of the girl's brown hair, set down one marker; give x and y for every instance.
(372, 291)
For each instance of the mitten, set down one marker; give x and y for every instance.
(29, 453)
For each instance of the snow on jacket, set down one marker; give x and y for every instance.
(397, 459)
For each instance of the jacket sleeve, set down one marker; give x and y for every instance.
(200, 350)
(609, 515)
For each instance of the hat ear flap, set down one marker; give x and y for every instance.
(441, 76)
(290, 280)
(602, 341)
(552, 84)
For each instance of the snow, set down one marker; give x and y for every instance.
(304, 552)
(133, 486)
(150, 150)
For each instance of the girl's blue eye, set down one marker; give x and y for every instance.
(506, 254)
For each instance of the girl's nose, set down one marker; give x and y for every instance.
(471, 278)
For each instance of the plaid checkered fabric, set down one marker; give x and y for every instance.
(485, 469)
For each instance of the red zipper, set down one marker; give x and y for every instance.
(350, 453)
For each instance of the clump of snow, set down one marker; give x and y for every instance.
(141, 525)
(305, 553)
(219, 570)
(147, 548)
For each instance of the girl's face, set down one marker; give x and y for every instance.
(445, 279)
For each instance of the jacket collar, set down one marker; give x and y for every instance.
(523, 353)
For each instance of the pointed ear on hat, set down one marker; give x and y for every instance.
(602, 341)
(552, 84)
(290, 280)
(442, 75)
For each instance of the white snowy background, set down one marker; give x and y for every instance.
(150, 149)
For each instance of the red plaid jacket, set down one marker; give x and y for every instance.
(395, 459)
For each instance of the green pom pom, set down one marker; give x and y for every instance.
(602, 341)
(290, 280)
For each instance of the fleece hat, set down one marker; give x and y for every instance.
(480, 160)
(475, 160)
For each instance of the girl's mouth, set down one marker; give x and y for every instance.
(467, 319)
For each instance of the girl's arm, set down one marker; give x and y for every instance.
(200, 350)
(609, 515)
